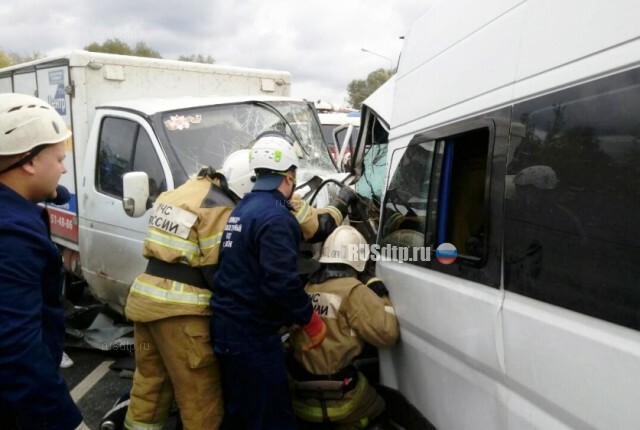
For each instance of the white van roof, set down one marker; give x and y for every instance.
(499, 52)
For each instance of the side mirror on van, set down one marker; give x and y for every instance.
(135, 195)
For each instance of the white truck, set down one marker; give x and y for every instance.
(167, 138)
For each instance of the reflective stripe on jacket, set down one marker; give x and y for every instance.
(355, 407)
(185, 227)
(353, 314)
(316, 224)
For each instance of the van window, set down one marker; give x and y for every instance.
(439, 194)
(572, 227)
(374, 165)
(124, 146)
(460, 218)
(145, 159)
(115, 149)
(406, 199)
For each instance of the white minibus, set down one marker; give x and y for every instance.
(514, 155)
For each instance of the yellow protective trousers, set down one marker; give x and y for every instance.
(174, 359)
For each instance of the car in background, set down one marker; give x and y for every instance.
(338, 128)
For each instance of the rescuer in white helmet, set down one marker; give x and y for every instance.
(328, 389)
(32, 149)
(258, 290)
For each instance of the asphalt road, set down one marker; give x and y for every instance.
(96, 380)
(93, 385)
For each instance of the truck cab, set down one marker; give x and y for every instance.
(170, 140)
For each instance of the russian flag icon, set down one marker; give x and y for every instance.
(446, 253)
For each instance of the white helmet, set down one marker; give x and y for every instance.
(27, 122)
(238, 172)
(274, 151)
(347, 246)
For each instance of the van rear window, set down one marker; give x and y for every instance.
(572, 228)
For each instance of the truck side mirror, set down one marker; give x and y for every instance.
(135, 193)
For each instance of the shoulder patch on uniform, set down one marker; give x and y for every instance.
(327, 305)
(172, 219)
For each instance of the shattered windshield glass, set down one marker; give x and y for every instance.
(204, 136)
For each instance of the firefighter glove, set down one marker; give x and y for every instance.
(347, 196)
(378, 287)
(315, 330)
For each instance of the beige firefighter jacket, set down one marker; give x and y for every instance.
(310, 217)
(168, 240)
(353, 314)
(185, 227)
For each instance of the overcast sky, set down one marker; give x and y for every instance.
(318, 41)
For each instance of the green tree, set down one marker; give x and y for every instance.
(197, 58)
(110, 46)
(359, 89)
(5, 60)
(142, 50)
(116, 46)
(11, 58)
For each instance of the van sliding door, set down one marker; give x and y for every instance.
(446, 191)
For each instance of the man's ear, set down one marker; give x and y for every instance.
(290, 177)
(29, 167)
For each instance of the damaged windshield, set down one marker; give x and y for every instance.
(205, 136)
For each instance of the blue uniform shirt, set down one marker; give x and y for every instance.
(257, 288)
(31, 320)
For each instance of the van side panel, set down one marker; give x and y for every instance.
(437, 30)
(583, 371)
(444, 81)
(451, 327)
(449, 361)
(557, 345)
(575, 29)
(572, 259)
